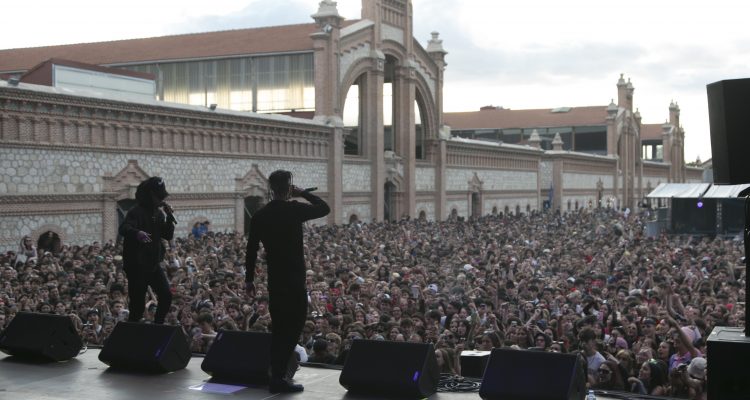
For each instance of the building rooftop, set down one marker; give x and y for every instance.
(651, 132)
(501, 118)
(237, 42)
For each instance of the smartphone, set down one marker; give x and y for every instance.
(415, 291)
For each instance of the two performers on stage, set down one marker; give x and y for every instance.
(278, 225)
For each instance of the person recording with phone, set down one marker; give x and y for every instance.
(145, 226)
(278, 225)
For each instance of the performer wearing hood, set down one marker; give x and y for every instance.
(144, 227)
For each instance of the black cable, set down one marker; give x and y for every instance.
(455, 383)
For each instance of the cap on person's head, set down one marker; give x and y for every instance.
(649, 321)
(157, 187)
(468, 267)
(697, 368)
(621, 343)
(433, 287)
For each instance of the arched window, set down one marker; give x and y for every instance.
(352, 119)
(353, 218)
(422, 216)
(494, 210)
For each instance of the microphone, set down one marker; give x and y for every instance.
(168, 210)
(310, 189)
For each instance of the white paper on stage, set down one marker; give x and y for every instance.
(219, 388)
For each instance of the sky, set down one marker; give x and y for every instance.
(517, 54)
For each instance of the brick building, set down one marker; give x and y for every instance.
(351, 107)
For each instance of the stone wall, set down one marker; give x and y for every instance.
(36, 171)
(572, 180)
(425, 177)
(458, 179)
(525, 203)
(356, 177)
(362, 211)
(462, 206)
(429, 209)
(74, 228)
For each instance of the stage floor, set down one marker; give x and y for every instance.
(85, 377)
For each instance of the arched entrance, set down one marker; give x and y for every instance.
(422, 216)
(389, 202)
(49, 241)
(476, 205)
(353, 219)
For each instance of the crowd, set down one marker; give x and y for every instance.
(639, 309)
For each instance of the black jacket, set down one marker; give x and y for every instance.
(148, 218)
(279, 226)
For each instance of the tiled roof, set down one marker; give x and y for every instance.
(274, 39)
(651, 132)
(494, 118)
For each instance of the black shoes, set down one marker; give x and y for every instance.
(282, 386)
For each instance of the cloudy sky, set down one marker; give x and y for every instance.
(511, 53)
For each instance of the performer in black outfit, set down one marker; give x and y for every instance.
(279, 226)
(144, 227)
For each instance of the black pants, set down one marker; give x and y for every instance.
(288, 314)
(138, 281)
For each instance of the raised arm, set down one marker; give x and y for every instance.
(316, 209)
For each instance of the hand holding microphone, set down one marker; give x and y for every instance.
(297, 191)
(170, 213)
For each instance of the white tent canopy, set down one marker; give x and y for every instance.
(679, 190)
(725, 191)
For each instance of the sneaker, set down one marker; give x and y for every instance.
(282, 386)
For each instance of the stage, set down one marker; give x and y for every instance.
(85, 377)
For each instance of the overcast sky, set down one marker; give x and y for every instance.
(512, 53)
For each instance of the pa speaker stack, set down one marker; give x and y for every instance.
(239, 357)
(533, 375)
(392, 369)
(728, 105)
(146, 348)
(41, 336)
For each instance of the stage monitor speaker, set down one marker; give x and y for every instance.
(239, 357)
(393, 369)
(146, 348)
(473, 363)
(41, 336)
(728, 105)
(727, 367)
(533, 375)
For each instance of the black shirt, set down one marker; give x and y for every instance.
(278, 225)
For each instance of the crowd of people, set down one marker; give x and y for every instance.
(639, 309)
